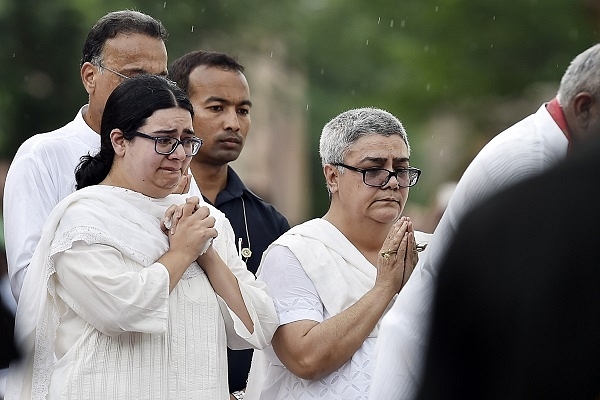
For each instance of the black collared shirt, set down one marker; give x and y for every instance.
(265, 223)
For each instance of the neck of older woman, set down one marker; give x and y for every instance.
(366, 235)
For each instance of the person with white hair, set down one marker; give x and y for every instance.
(333, 278)
(529, 147)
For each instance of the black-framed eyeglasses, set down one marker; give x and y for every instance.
(100, 65)
(166, 145)
(379, 177)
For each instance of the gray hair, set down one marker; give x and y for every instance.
(582, 75)
(341, 132)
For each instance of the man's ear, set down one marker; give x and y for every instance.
(331, 177)
(118, 142)
(583, 106)
(88, 76)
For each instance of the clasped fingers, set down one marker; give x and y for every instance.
(195, 232)
(176, 211)
(391, 265)
(391, 243)
(398, 256)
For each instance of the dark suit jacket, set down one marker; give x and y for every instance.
(517, 307)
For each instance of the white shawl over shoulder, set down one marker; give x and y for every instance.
(331, 262)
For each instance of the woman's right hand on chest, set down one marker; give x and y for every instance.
(192, 227)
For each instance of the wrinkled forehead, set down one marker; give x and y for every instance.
(378, 146)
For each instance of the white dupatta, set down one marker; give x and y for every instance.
(331, 262)
(340, 273)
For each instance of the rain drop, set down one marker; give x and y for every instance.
(322, 71)
(378, 20)
(403, 23)
(192, 28)
(165, 4)
(367, 42)
(391, 23)
(271, 54)
(428, 87)
(307, 107)
(437, 8)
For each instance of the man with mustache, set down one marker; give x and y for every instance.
(220, 94)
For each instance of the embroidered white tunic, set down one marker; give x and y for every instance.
(96, 317)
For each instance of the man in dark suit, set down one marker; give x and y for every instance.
(517, 307)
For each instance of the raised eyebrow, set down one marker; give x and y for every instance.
(225, 101)
(165, 131)
(376, 160)
(140, 71)
(171, 131)
(401, 159)
(384, 159)
(135, 71)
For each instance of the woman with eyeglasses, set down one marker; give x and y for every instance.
(333, 278)
(116, 305)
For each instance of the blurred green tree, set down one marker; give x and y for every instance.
(415, 58)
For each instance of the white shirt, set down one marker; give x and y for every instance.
(525, 149)
(41, 174)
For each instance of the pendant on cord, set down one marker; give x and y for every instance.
(246, 252)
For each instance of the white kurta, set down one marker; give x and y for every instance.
(41, 174)
(523, 150)
(95, 286)
(313, 273)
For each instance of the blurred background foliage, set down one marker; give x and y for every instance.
(456, 72)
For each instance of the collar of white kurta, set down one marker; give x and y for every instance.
(124, 219)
